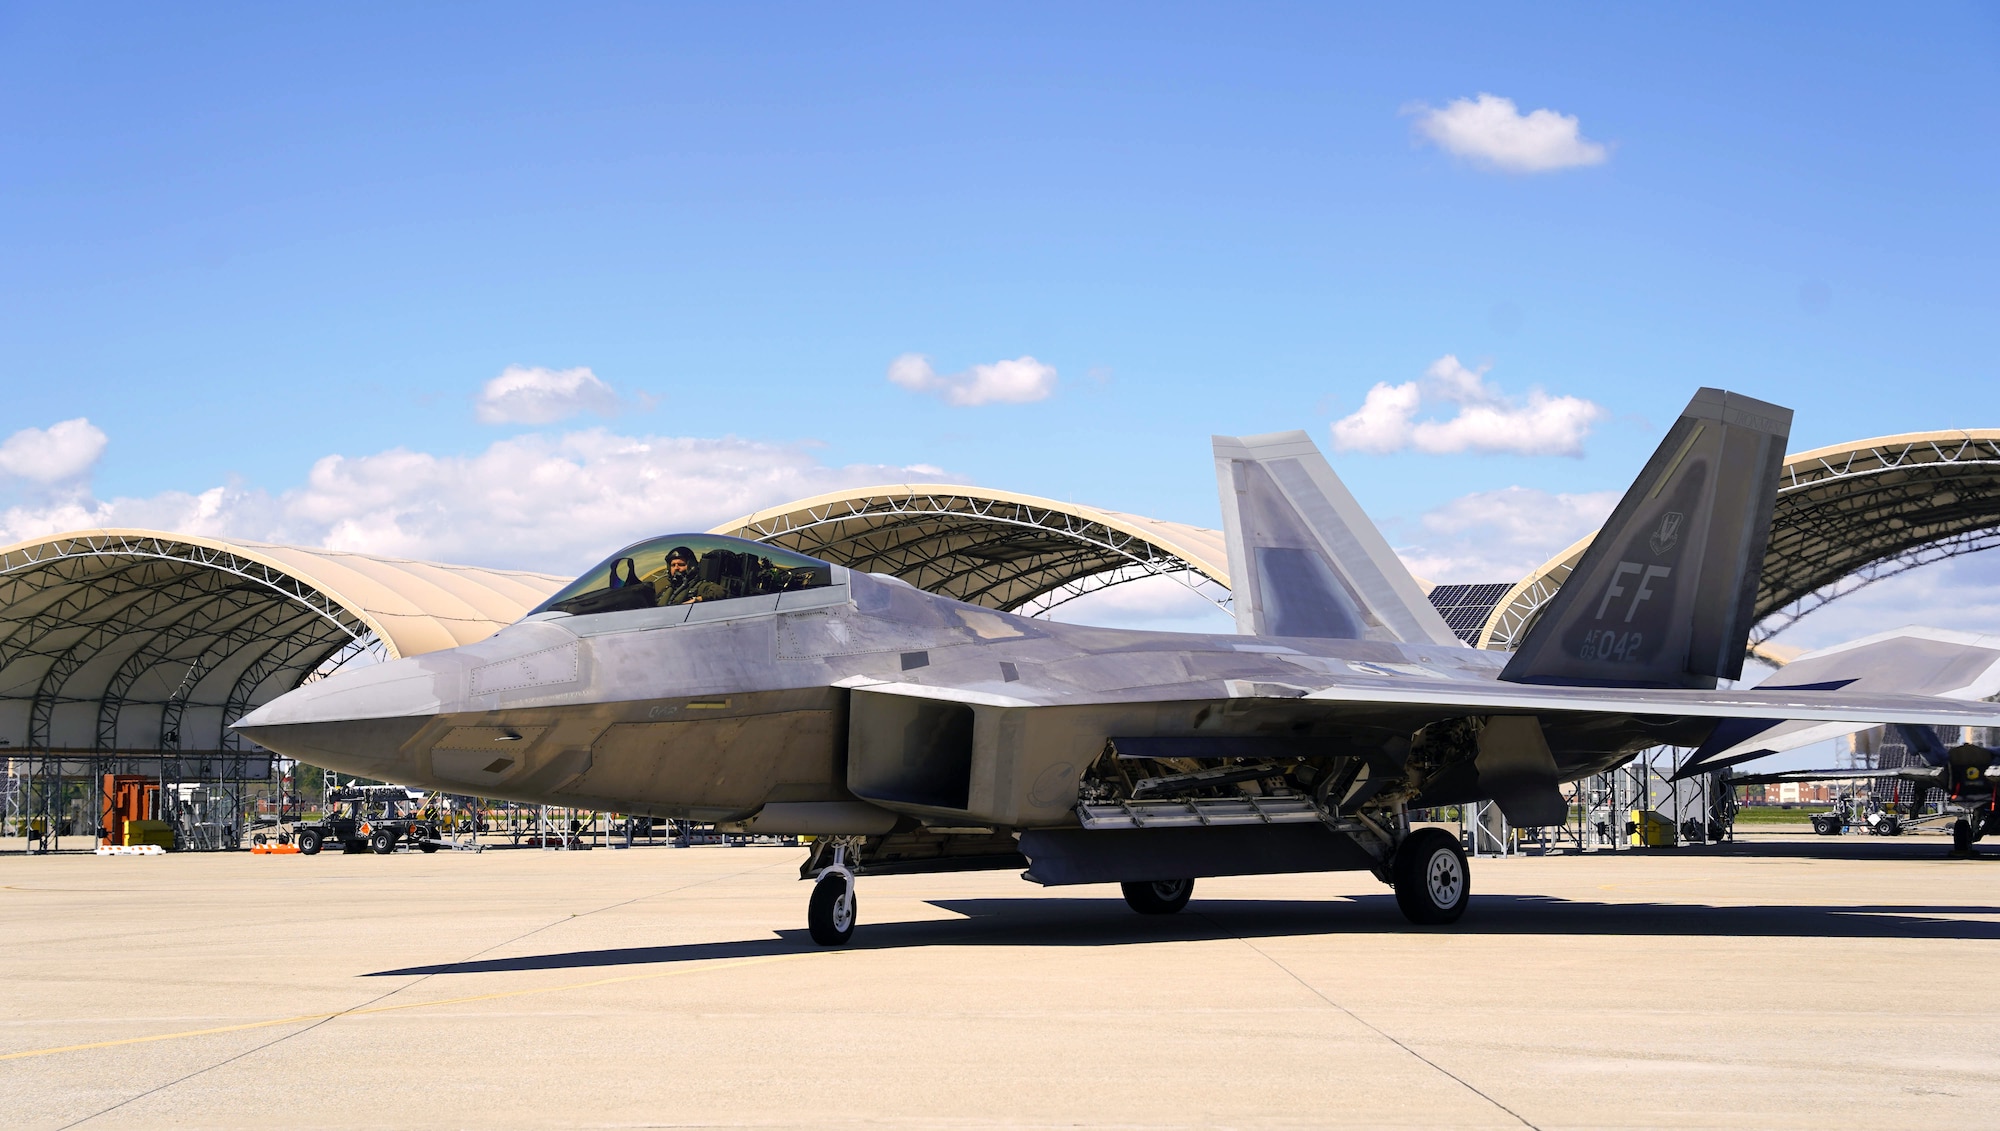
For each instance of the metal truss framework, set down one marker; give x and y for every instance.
(1847, 516)
(110, 622)
(1003, 552)
(118, 620)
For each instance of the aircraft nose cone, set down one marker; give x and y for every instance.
(355, 722)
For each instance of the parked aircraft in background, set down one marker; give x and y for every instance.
(1964, 774)
(712, 679)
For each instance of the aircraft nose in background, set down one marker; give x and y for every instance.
(355, 722)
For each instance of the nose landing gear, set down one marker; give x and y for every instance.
(830, 914)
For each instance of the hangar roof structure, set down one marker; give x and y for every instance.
(137, 639)
(1848, 515)
(1015, 553)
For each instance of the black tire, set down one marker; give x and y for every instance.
(831, 913)
(1158, 897)
(1890, 825)
(1433, 883)
(257, 840)
(1961, 835)
(308, 842)
(382, 841)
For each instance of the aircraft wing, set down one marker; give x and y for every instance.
(1934, 662)
(1448, 696)
(1931, 775)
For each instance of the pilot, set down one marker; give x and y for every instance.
(684, 586)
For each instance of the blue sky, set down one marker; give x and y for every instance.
(242, 240)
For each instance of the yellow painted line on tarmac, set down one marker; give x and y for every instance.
(303, 1017)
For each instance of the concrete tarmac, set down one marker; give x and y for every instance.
(1781, 982)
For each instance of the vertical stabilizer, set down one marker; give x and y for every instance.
(1665, 594)
(1304, 560)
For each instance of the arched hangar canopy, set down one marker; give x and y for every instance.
(994, 548)
(141, 640)
(1847, 515)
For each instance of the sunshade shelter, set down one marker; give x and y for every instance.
(1016, 553)
(1848, 515)
(142, 640)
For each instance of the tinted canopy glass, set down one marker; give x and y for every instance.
(681, 569)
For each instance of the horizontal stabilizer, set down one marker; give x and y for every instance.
(1906, 661)
(1304, 559)
(1481, 697)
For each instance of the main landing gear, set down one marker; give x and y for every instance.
(831, 911)
(1966, 831)
(1158, 897)
(1431, 879)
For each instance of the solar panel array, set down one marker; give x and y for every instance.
(1466, 607)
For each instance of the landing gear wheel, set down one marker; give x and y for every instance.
(1158, 897)
(1961, 835)
(308, 842)
(382, 841)
(1433, 883)
(830, 915)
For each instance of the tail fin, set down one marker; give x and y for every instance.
(1304, 560)
(1665, 593)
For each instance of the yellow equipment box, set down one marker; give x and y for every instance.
(1650, 830)
(149, 832)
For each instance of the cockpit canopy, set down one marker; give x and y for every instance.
(682, 569)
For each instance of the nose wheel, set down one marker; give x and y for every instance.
(830, 914)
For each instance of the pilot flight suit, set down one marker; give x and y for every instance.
(689, 587)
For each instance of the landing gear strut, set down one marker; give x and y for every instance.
(831, 911)
(1432, 881)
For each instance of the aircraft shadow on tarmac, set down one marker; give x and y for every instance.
(1107, 922)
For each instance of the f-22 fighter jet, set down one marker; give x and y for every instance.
(712, 679)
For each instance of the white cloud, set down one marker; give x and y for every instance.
(1491, 132)
(1486, 421)
(1501, 535)
(533, 395)
(554, 503)
(1006, 382)
(63, 450)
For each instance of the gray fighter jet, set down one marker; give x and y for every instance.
(712, 679)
